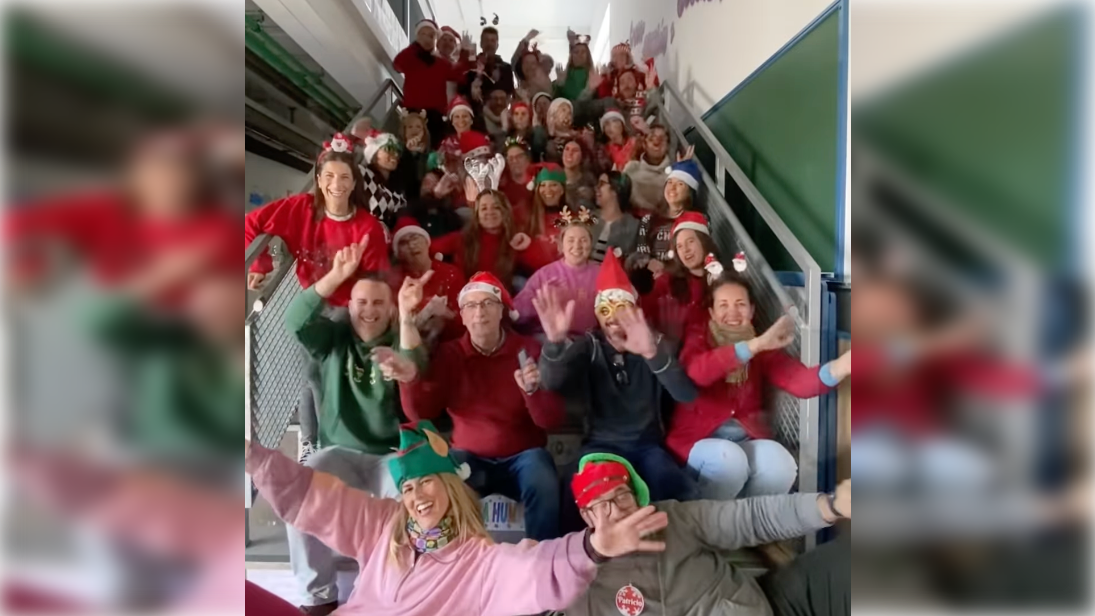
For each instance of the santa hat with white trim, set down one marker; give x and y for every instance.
(425, 23)
(459, 103)
(691, 220)
(557, 103)
(474, 143)
(613, 284)
(406, 226)
(378, 141)
(613, 114)
(449, 31)
(486, 282)
(687, 171)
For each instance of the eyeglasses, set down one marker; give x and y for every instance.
(483, 305)
(622, 500)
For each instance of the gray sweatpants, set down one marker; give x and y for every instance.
(313, 562)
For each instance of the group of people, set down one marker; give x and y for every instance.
(460, 276)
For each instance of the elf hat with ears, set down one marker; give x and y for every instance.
(601, 473)
(486, 282)
(423, 452)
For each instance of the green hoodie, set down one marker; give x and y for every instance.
(575, 84)
(360, 409)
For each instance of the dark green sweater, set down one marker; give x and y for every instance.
(360, 409)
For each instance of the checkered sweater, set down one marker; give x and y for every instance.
(384, 203)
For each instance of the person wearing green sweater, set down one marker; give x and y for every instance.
(360, 414)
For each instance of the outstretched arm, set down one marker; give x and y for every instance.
(346, 519)
(747, 522)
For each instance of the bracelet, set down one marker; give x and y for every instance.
(831, 498)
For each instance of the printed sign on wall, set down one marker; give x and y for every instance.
(501, 513)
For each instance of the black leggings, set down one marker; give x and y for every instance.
(818, 583)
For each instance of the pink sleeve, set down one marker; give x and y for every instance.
(529, 579)
(349, 521)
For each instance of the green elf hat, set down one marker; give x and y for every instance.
(600, 473)
(548, 172)
(423, 451)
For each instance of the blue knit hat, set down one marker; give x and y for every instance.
(687, 171)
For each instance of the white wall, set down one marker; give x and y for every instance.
(268, 180)
(708, 45)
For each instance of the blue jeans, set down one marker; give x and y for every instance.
(729, 464)
(528, 477)
(665, 478)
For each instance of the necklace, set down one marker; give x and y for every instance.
(338, 218)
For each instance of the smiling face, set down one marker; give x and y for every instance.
(676, 192)
(498, 101)
(551, 193)
(689, 248)
(489, 212)
(563, 117)
(521, 118)
(371, 308)
(517, 161)
(446, 45)
(576, 244)
(580, 56)
(530, 66)
(572, 155)
(461, 120)
(426, 38)
(336, 182)
(413, 249)
(482, 315)
(614, 129)
(413, 126)
(387, 159)
(541, 106)
(607, 312)
(628, 85)
(731, 306)
(656, 145)
(426, 500)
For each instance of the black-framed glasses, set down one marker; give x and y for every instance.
(483, 305)
(623, 500)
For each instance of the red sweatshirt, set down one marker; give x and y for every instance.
(520, 200)
(447, 280)
(314, 244)
(718, 401)
(492, 417)
(668, 314)
(425, 86)
(490, 244)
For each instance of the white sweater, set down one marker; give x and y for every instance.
(647, 184)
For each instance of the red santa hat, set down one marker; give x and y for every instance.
(691, 220)
(612, 282)
(474, 143)
(486, 282)
(425, 23)
(404, 227)
(520, 105)
(449, 31)
(612, 114)
(459, 103)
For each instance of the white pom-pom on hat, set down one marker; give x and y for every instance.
(463, 471)
(514, 315)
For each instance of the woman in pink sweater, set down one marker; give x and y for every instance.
(430, 554)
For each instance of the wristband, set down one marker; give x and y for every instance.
(831, 498)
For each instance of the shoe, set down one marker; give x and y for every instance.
(306, 451)
(319, 610)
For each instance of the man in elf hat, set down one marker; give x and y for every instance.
(490, 384)
(624, 370)
(360, 410)
(437, 311)
(426, 76)
(693, 577)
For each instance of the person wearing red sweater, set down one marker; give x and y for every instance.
(316, 226)
(491, 243)
(516, 179)
(679, 295)
(426, 76)
(723, 435)
(438, 311)
(490, 384)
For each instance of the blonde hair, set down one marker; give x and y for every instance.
(464, 508)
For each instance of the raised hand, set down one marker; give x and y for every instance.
(532, 34)
(394, 366)
(640, 125)
(612, 539)
(411, 293)
(779, 335)
(446, 185)
(843, 500)
(594, 81)
(255, 280)
(688, 153)
(471, 190)
(656, 267)
(520, 241)
(841, 367)
(347, 261)
(560, 72)
(640, 340)
(414, 144)
(555, 318)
